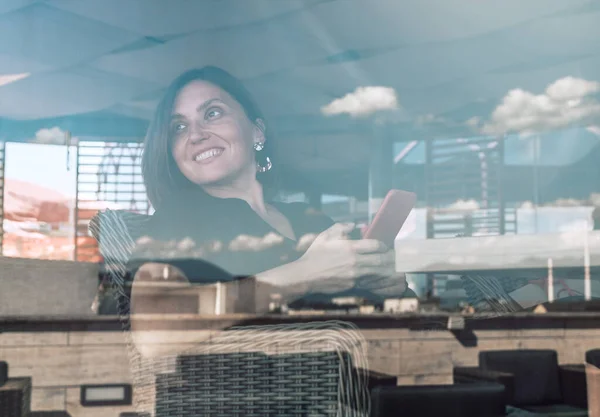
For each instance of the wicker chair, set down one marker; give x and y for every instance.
(283, 370)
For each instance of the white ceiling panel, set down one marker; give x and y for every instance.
(67, 92)
(247, 52)
(279, 96)
(11, 5)
(376, 24)
(52, 37)
(10, 64)
(493, 87)
(137, 109)
(574, 34)
(454, 59)
(167, 17)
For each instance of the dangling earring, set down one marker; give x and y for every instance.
(258, 146)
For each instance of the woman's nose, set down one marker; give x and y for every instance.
(198, 134)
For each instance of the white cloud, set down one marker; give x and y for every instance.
(527, 205)
(54, 135)
(429, 119)
(595, 199)
(473, 122)
(425, 119)
(246, 243)
(363, 102)
(595, 129)
(11, 78)
(464, 205)
(566, 101)
(565, 202)
(570, 88)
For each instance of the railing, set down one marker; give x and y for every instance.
(108, 174)
(453, 223)
(468, 170)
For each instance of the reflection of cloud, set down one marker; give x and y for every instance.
(253, 243)
(566, 101)
(53, 135)
(147, 247)
(595, 199)
(561, 202)
(464, 205)
(565, 202)
(429, 119)
(425, 119)
(363, 102)
(11, 78)
(473, 122)
(595, 129)
(527, 205)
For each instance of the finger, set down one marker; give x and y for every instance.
(384, 260)
(339, 231)
(369, 246)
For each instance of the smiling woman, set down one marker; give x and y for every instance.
(206, 116)
(208, 170)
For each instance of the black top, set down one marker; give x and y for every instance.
(233, 225)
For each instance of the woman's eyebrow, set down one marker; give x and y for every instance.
(200, 108)
(207, 103)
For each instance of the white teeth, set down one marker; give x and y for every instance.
(208, 154)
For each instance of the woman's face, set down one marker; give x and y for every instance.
(212, 138)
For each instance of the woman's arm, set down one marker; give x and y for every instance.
(272, 283)
(332, 263)
(292, 281)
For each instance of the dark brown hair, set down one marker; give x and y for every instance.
(163, 180)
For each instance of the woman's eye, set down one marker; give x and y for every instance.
(213, 113)
(179, 127)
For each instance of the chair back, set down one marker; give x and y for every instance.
(537, 377)
(460, 400)
(593, 357)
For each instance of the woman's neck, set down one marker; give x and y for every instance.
(250, 191)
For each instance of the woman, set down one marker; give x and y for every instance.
(211, 177)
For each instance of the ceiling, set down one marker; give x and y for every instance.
(454, 68)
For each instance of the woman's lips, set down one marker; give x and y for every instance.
(208, 155)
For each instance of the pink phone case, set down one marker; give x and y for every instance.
(391, 216)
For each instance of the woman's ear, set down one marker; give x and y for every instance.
(259, 131)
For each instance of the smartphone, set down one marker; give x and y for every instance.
(391, 216)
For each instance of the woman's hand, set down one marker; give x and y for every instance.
(333, 262)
